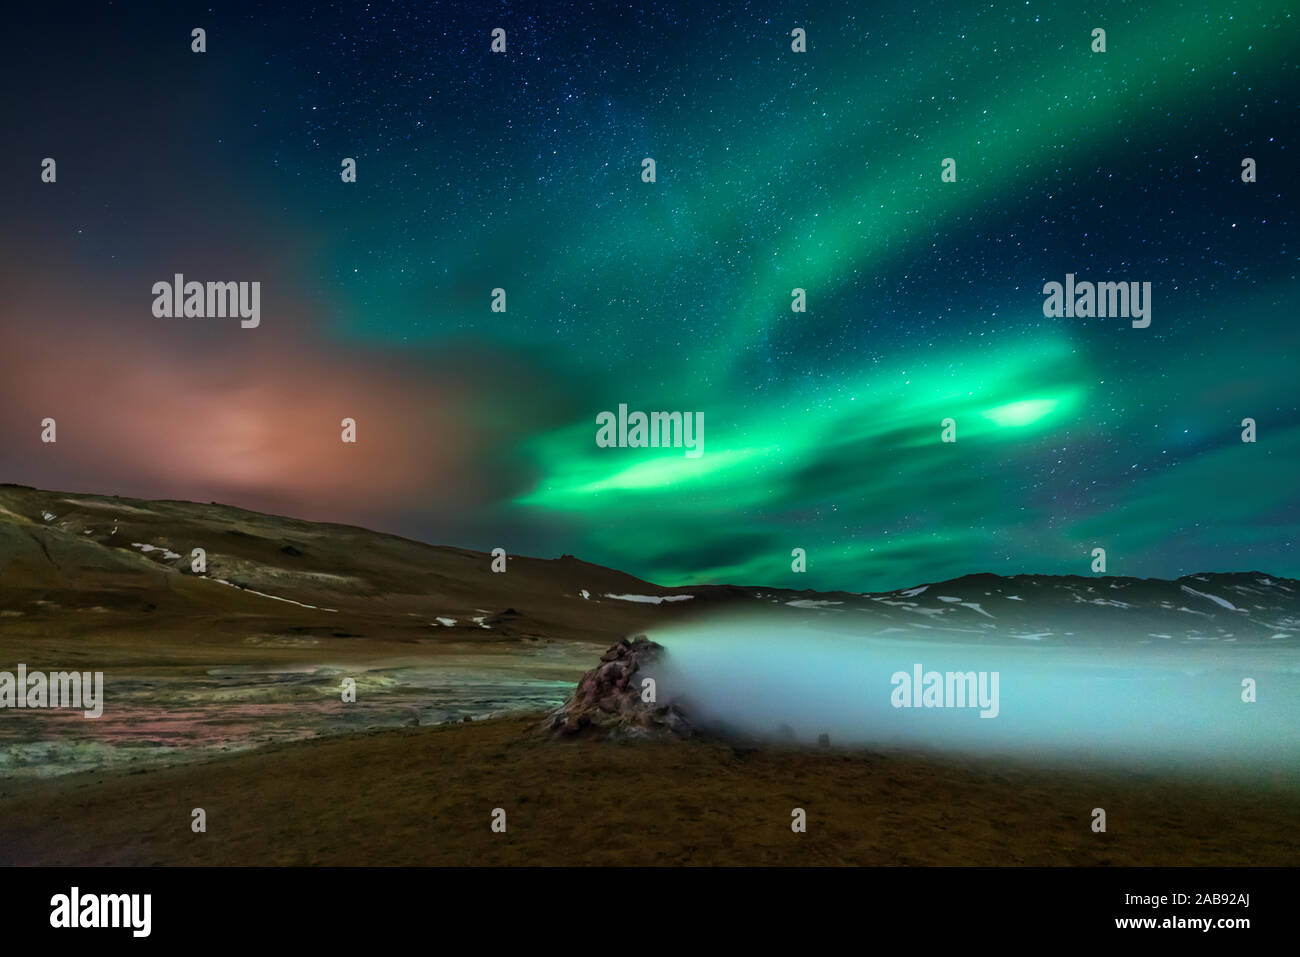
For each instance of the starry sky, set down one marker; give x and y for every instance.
(775, 170)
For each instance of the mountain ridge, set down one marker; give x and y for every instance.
(97, 557)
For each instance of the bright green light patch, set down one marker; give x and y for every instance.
(666, 472)
(1021, 413)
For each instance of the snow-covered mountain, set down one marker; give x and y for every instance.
(89, 563)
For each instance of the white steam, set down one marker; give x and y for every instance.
(1175, 704)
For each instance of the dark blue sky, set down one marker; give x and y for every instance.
(775, 170)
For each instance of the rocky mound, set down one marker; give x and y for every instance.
(609, 702)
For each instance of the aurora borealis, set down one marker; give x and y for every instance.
(775, 170)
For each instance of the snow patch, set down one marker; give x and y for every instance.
(651, 599)
(931, 612)
(1222, 602)
(167, 554)
(811, 603)
(262, 594)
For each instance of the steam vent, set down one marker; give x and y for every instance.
(608, 700)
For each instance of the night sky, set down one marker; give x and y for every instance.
(775, 170)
